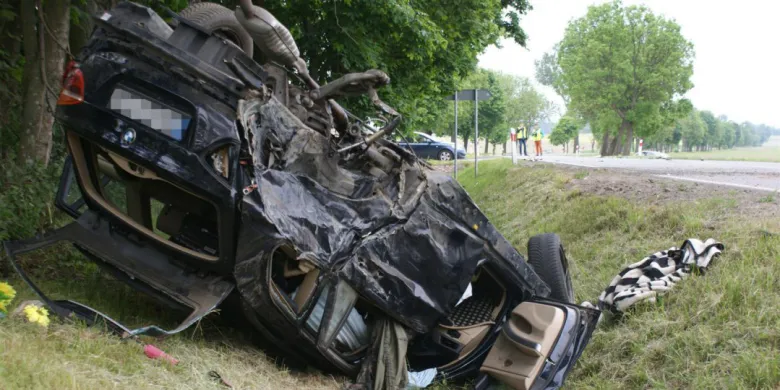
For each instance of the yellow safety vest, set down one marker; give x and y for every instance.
(522, 132)
(537, 135)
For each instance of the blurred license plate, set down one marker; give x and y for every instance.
(138, 107)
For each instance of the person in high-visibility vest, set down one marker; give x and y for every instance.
(537, 136)
(522, 138)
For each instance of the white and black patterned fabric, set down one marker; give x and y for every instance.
(657, 273)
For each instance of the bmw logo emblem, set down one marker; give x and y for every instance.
(128, 137)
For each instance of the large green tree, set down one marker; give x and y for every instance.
(565, 130)
(515, 103)
(714, 130)
(624, 60)
(424, 45)
(492, 112)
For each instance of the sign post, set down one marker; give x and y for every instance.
(469, 94)
(476, 134)
(455, 169)
(513, 142)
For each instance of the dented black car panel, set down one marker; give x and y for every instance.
(264, 191)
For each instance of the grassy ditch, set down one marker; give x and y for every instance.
(720, 330)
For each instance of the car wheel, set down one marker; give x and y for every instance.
(548, 259)
(220, 21)
(445, 155)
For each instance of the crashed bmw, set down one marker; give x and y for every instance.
(201, 174)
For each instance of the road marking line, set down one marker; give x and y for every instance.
(719, 183)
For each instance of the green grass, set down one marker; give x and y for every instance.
(720, 330)
(769, 198)
(768, 154)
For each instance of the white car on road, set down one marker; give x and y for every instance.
(653, 154)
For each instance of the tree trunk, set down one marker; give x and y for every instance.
(504, 152)
(42, 73)
(577, 141)
(80, 32)
(494, 149)
(614, 145)
(627, 130)
(593, 144)
(9, 102)
(487, 146)
(466, 142)
(605, 143)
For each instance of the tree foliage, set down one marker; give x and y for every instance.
(514, 102)
(626, 61)
(425, 46)
(703, 131)
(565, 130)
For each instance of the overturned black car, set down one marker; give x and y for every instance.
(200, 173)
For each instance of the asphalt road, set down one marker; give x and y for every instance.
(762, 176)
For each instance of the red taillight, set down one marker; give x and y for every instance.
(72, 86)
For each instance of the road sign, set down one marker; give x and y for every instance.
(469, 94)
(476, 95)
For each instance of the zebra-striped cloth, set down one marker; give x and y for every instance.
(657, 273)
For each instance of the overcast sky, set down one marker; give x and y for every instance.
(736, 43)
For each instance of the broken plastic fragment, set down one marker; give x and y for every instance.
(422, 379)
(153, 352)
(466, 294)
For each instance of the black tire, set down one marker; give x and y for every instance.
(445, 155)
(548, 259)
(220, 21)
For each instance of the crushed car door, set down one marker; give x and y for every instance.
(539, 344)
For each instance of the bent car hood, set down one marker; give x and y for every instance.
(409, 241)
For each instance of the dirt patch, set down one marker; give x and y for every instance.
(643, 187)
(449, 167)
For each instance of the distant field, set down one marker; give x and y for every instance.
(770, 151)
(771, 154)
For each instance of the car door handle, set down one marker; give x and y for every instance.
(529, 347)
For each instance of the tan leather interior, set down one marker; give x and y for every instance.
(471, 336)
(131, 168)
(306, 289)
(515, 364)
(74, 143)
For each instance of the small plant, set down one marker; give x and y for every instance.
(7, 294)
(581, 175)
(769, 198)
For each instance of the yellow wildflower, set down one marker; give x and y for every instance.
(7, 294)
(37, 315)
